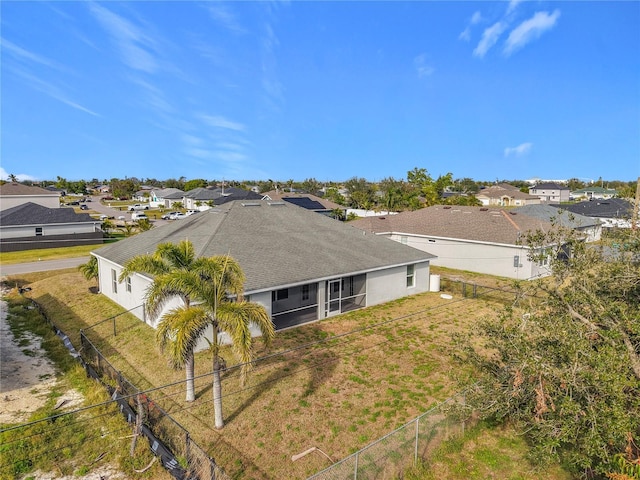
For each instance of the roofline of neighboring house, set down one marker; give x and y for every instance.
(289, 285)
(96, 222)
(457, 239)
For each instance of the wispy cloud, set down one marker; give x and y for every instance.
(222, 15)
(423, 68)
(22, 54)
(132, 43)
(20, 176)
(518, 151)
(513, 4)
(489, 38)
(217, 121)
(52, 91)
(466, 33)
(530, 30)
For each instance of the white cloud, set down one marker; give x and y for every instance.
(518, 151)
(223, 16)
(20, 176)
(530, 29)
(22, 54)
(489, 38)
(512, 5)
(217, 121)
(466, 33)
(422, 67)
(131, 41)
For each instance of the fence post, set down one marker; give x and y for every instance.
(475, 290)
(464, 289)
(355, 468)
(415, 457)
(114, 326)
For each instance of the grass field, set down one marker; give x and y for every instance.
(336, 385)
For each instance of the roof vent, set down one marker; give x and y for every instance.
(250, 204)
(446, 207)
(484, 209)
(513, 213)
(276, 204)
(382, 218)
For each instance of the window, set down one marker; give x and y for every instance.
(38, 231)
(410, 275)
(114, 281)
(305, 292)
(282, 294)
(128, 284)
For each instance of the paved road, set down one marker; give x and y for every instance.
(42, 266)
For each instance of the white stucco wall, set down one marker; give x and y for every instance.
(391, 284)
(491, 259)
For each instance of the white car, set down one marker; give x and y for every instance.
(178, 216)
(135, 216)
(190, 212)
(138, 206)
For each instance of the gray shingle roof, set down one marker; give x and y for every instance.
(276, 243)
(610, 208)
(33, 214)
(559, 214)
(483, 224)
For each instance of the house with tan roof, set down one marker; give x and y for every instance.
(300, 266)
(477, 239)
(13, 194)
(505, 195)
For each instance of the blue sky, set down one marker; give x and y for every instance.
(328, 89)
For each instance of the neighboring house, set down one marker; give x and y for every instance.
(612, 212)
(478, 239)
(308, 201)
(550, 192)
(144, 194)
(589, 228)
(29, 226)
(164, 196)
(596, 193)
(203, 196)
(505, 195)
(299, 265)
(14, 194)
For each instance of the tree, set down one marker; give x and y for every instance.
(89, 270)
(196, 183)
(230, 313)
(169, 265)
(563, 364)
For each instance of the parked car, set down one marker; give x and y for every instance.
(169, 215)
(137, 206)
(178, 216)
(135, 216)
(104, 217)
(190, 212)
(84, 207)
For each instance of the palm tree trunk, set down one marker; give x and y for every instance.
(189, 368)
(217, 386)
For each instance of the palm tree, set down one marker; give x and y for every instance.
(218, 283)
(89, 270)
(169, 264)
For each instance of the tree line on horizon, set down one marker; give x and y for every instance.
(419, 189)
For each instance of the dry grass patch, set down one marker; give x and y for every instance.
(337, 385)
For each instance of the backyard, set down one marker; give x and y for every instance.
(336, 385)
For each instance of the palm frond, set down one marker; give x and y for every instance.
(178, 332)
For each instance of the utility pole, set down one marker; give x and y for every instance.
(636, 208)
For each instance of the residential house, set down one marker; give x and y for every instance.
(299, 265)
(550, 192)
(308, 201)
(478, 239)
(612, 212)
(505, 195)
(589, 228)
(30, 225)
(163, 197)
(596, 193)
(13, 194)
(209, 196)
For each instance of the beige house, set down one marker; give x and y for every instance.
(550, 192)
(15, 194)
(477, 239)
(505, 195)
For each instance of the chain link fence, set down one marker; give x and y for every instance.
(390, 456)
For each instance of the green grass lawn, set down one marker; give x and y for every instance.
(325, 387)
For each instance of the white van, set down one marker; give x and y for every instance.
(135, 216)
